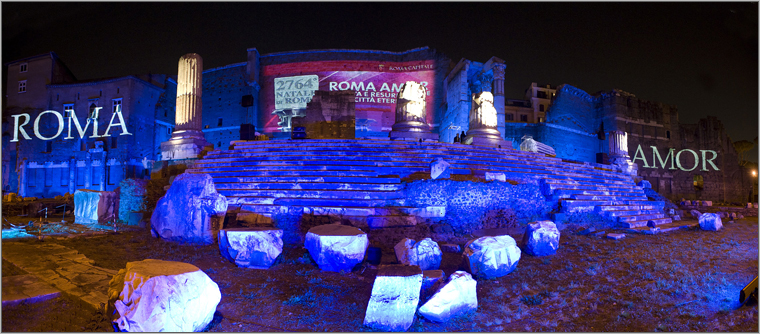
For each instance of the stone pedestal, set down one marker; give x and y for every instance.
(411, 118)
(483, 122)
(187, 140)
(618, 152)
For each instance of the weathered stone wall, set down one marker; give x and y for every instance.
(455, 118)
(469, 203)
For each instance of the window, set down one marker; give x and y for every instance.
(64, 177)
(23, 67)
(117, 90)
(48, 146)
(540, 107)
(540, 119)
(523, 118)
(82, 145)
(113, 142)
(219, 144)
(166, 112)
(510, 117)
(699, 182)
(116, 105)
(31, 177)
(667, 134)
(68, 110)
(22, 86)
(168, 131)
(80, 175)
(93, 108)
(57, 97)
(220, 122)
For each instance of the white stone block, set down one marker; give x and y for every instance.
(163, 296)
(426, 254)
(710, 222)
(490, 176)
(394, 299)
(91, 206)
(541, 238)
(440, 168)
(251, 247)
(458, 295)
(491, 256)
(336, 247)
(192, 211)
(706, 203)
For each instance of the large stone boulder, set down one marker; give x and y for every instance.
(163, 296)
(494, 176)
(132, 199)
(491, 256)
(426, 254)
(92, 206)
(458, 295)
(707, 203)
(541, 238)
(440, 168)
(336, 247)
(251, 247)
(710, 222)
(394, 299)
(191, 211)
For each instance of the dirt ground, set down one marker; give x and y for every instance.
(686, 280)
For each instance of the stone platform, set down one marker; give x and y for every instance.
(360, 179)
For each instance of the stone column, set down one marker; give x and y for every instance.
(483, 122)
(411, 114)
(618, 152)
(72, 175)
(187, 141)
(498, 95)
(22, 176)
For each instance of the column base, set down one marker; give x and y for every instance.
(413, 136)
(185, 145)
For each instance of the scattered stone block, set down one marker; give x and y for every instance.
(598, 233)
(651, 224)
(450, 248)
(707, 203)
(749, 205)
(491, 256)
(616, 236)
(91, 206)
(754, 205)
(10, 197)
(394, 299)
(685, 202)
(710, 222)
(587, 231)
(541, 238)
(695, 213)
(492, 176)
(676, 218)
(336, 247)
(457, 296)
(741, 216)
(192, 211)
(251, 247)
(440, 168)
(431, 282)
(426, 254)
(163, 296)
(391, 221)
(644, 184)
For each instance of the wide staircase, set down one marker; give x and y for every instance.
(361, 179)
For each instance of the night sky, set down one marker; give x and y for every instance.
(701, 57)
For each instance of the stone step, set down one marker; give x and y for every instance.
(356, 211)
(305, 193)
(571, 193)
(608, 197)
(330, 202)
(553, 185)
(571, 206)
(641, 223)
(307, 186)
(616, 208)
(247, 172)
(619, 213)
(306, 179)
(406, 159)
(651, 216)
